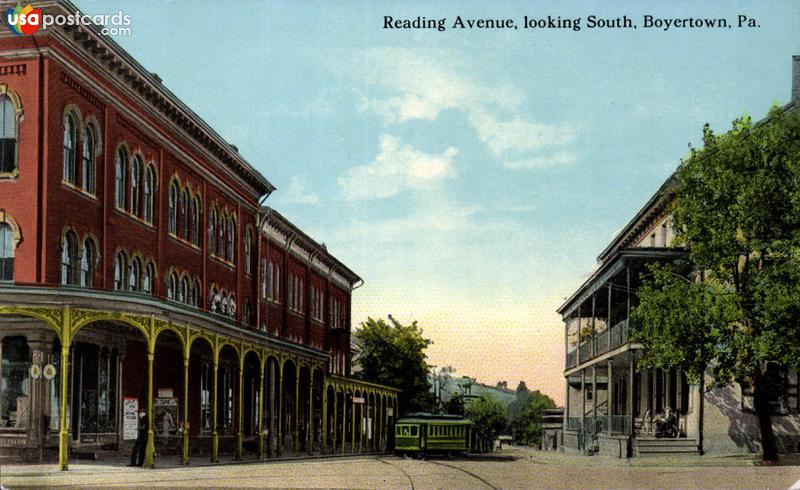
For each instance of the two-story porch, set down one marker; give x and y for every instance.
(613, 406)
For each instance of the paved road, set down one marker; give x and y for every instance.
(523, 469)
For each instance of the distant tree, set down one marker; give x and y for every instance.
(455, 405)
(489, 418)
(502, 385)
(394, 355)
(525, 415)
(733, 307)
(522, 387)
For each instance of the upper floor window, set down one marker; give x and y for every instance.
(185, 214)
(148, 276)
(173, 209)
(221, 232)
(120, 271)
(194, 294)
(247, 252)
(136, 186)
(8, 135)
(69, 258)
(6, 253)
(88, 163)
(183, 290)
(135, 275)
(149, 186)
(231, 239)
(172, 286)
(88, 260)
(120, 178)
(195, 221)
(70, 141)
(212, 226)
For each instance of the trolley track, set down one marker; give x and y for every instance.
(462, 470)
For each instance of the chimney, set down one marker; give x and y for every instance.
(796, 78)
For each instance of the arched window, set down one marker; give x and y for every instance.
(6, 253)
(185, 212)
(212, 225)
(149, 185)
(88, 259)
(120, 178)
(88, 165)
(247, 247)
(147, 278)
(70, 139)
(213, 300)
(135, 275)
(195, 295)
(222, 232)
(246, 312)
(195, 221)
(172, 286)
(276, 288)
(120, 270)
(136, 186)
(8, 135)
(231, 239)
(269, 280)
(264, 276)
(173, 209)
(183, 291)
(69, 254)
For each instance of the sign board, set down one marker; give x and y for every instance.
(49, 371)
(130, 418)
(165, 393)
(36, 371)
(358, 399)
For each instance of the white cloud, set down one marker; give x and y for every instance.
(396, 168)
(298, 193)
(554, 160)
(420, 85)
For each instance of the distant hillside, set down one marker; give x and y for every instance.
(449, 386)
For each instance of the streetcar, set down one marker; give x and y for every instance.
(424, 433)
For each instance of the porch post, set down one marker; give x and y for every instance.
(335, 417)
(279, 431)
(610, 392)
(296, 418)
(240, 408)
(323, 443)
(214, 433)
(63, 428)
(594, 398)
(353, 425)
(261, 410)
(344, 419)
(578, 340)
(185, 406)
(583, 407)
(566, 404)
(631, 387)
(594, 329)
(608, 323)
(150, 448)
(310, 420)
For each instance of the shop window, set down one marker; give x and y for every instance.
(206, 378)
(6, 253)
(8, 135)
(14, 399)
(70, 140)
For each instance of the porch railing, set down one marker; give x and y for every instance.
(572, 359)
(600, 344)
(618, 424)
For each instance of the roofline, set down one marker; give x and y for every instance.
(266, 187)
(338, 266)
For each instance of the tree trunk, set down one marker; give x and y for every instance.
(764, 412)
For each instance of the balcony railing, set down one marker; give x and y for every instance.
(619, 424)
(600, 344)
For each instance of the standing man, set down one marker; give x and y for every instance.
(137, 455)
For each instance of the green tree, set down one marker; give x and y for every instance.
(733, 305)
(525, 415)
(455, 405)
(489, 418)
(394, 355)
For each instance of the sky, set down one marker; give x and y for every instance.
(471, 176)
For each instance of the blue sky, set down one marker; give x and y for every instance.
(470, 177)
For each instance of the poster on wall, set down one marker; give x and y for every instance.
(130, 422)
(165, 416)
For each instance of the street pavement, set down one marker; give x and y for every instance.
(511, 468)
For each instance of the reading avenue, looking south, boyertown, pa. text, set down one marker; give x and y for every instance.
(571, 23)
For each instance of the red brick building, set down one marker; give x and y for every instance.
(139, 270)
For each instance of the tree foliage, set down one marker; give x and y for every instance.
(734, 304)
(525, 415)
(488, 415)
(394, 355)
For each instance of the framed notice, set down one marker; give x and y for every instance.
(130, 421)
